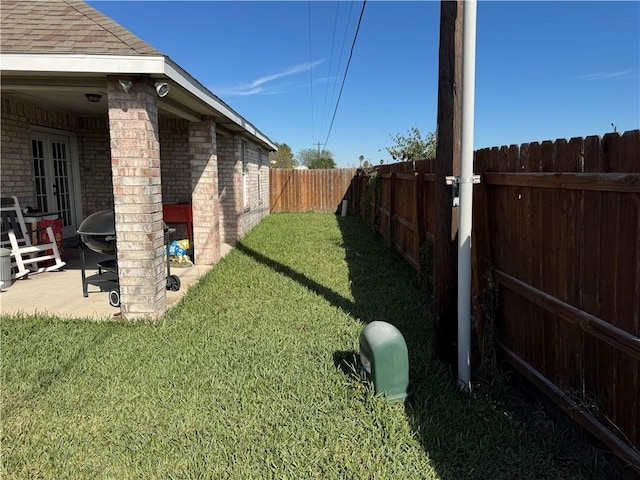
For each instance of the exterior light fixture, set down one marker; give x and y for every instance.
(162, 89)
(125, 85)
(93, 97)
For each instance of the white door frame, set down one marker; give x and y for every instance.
(48, 136)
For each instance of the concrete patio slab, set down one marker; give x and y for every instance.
(60, 293)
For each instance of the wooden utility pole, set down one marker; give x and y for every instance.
(445, 263)
(318, 144)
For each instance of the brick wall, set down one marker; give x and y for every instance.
(257, 174)
(94, 154)
(16, 169)
(174, 151)
(237, 218)
(229, 184)
(44, 117)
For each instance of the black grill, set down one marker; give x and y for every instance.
(98, 232)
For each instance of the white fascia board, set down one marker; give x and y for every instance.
(125, 64)
(74, 63)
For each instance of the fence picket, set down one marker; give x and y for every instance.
(310, 190)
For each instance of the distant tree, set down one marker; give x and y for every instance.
(323, 162)
(413, 146)
(283, 158)
(311, 158)
(306, 155)
(366, 165)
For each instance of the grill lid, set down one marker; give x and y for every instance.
(98, 232)
(99, 223)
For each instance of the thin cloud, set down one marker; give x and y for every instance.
(320, 80)
(603, 75)
(261, 87)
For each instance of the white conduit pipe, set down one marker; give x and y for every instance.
(466, 194)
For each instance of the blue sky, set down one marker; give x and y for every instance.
(544, 70)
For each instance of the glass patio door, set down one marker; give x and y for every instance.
(52, 167)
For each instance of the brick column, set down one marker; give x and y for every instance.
(135, 164)
(204, 188)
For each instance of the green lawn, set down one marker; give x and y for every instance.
(245, 378)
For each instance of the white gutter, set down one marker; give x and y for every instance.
(466, 193)
(80, 63)
(126, 64)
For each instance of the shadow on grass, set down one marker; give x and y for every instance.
(347, 362)
(319, 289)
(465, 436)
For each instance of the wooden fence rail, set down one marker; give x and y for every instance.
(557, 232)
(556, 240)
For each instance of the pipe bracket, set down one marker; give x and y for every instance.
(456, 181)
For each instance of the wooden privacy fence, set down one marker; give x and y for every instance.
(394, 204)
(557, 232)
(556, 266)
(557, 236)
(309, 190)
(556, 261)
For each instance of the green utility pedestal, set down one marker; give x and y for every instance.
(384, 360)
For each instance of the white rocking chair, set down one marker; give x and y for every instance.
(14, 235)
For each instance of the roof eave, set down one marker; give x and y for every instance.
(190, 84)
(129, 65)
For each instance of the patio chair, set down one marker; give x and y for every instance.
(25, 255)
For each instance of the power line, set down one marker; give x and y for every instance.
(344, 41)
(326, 93)
(346, 70)
(313, 134)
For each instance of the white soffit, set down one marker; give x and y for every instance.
(124, 64)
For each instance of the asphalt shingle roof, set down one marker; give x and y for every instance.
(64, 26)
